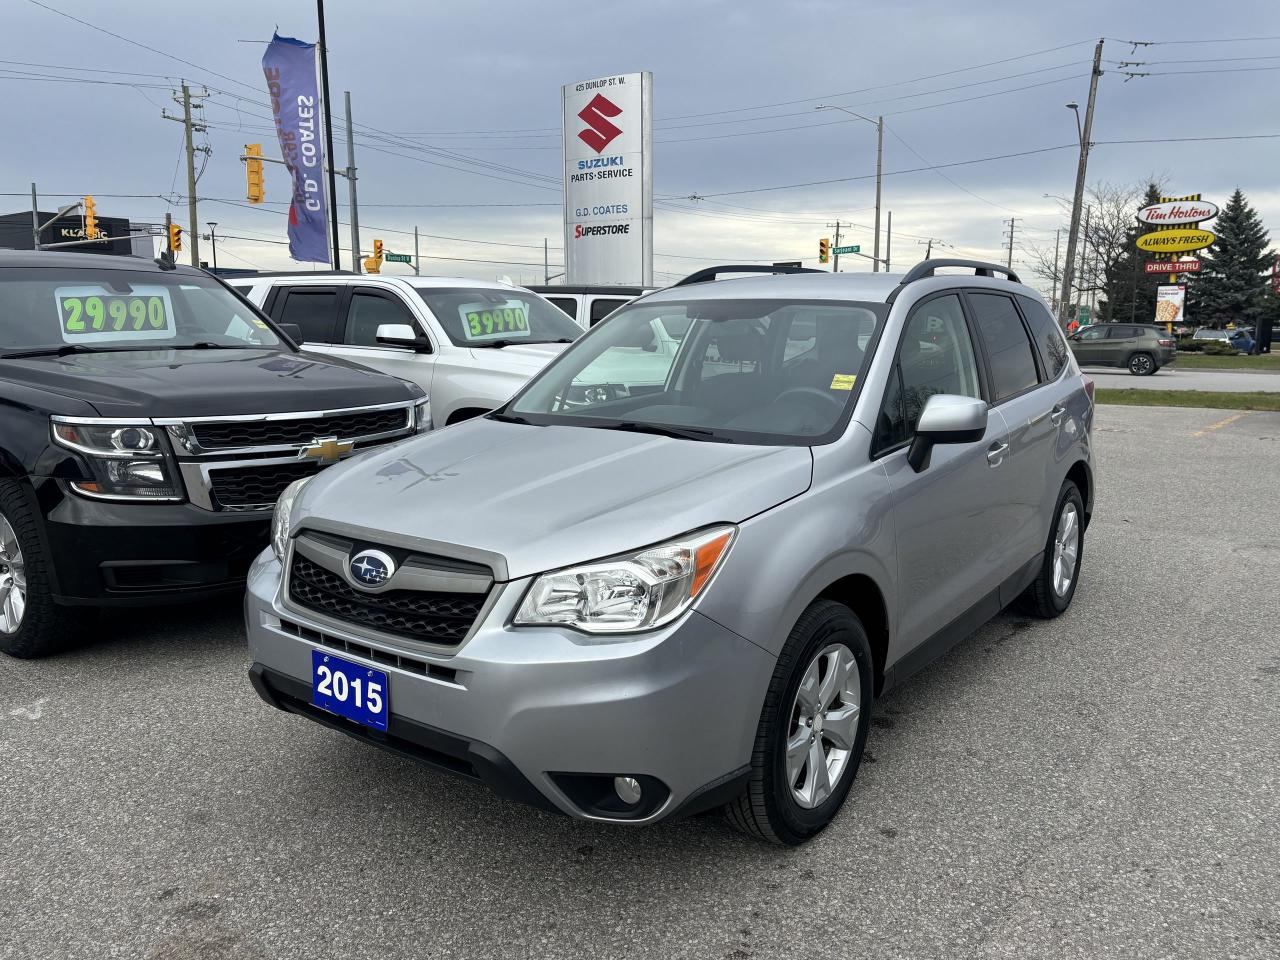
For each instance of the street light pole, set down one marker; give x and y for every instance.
(213, 241)
(879, 125)
(1084, 133)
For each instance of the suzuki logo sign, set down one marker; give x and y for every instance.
(596, 116)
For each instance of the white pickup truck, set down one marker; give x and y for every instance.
(470, 344)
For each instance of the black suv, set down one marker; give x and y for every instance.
(149, 418)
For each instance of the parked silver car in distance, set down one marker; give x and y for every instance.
(628, 601)
(470, 344)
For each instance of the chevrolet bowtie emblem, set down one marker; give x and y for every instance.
(326, 449)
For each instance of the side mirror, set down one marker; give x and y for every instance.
(946, 419)
(402, 335)
(292, 331)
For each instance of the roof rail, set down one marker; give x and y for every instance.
(927, 268)
(710, 273)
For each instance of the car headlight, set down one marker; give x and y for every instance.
(422, 415)
(280, 518)
(129, 461)
(637, 591)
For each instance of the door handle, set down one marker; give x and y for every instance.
(1057, 413)
(996, 452)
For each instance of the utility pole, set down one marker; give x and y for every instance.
(328, 136)
(415, 251)
(546, 263)
(1073, 235)
(168, 234)
(190, 127)
(1084, 247)
(1057, 244)
(1013, 226)
(888, 241)
(835, 257)
(35, 220)
(351, 187)
(875, 252)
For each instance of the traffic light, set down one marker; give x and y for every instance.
(824, 250)
(175, 237)
(256, 189)
(90, 219)
(374, 264)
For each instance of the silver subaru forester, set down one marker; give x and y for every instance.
(662, 580)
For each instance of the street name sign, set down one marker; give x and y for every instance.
(856, 248)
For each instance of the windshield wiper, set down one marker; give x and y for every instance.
(498, 344)
(63, 351)
(505, 417)
(661, 430)
(209, 345)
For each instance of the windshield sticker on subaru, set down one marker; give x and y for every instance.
(487, 321)
(91, 313)
(843, 381)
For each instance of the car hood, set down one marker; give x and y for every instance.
(193, 383)
(525, 359)
(528, 498)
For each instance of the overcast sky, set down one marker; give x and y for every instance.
(482, 80)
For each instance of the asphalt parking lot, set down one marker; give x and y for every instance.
(1104, 785)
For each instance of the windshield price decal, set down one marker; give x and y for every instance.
(482, 321)
(92, 314)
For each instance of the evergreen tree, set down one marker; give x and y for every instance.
(1129, 291)
(1232, 285)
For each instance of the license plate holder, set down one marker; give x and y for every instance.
(364, 694)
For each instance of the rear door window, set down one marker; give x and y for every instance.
(313, 309)
(1047, 335)
(601, 308)
(567, 304)
(1009, 352)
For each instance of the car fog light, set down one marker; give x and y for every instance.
(627, 789)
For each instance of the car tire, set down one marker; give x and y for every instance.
(783, 802)
(1046, 597)
(31, 624)
(1142, 365)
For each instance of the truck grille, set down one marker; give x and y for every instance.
(231, 434)
(442, 618)
(252, 488)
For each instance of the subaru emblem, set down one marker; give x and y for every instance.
(371, 568)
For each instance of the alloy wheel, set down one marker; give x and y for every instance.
(1141, 364)
(13, 579)
(823, 725)
(1066, 548)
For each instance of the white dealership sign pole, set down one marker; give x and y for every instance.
(608, 180)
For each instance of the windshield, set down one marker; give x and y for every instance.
(497, 317)
(747, 371)
(54, 308)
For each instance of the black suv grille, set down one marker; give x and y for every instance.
(244, 488)
(226, 434)
(416, 615)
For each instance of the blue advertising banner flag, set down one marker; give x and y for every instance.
(290, 69)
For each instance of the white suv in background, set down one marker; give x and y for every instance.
(470, 344)
(588, 304)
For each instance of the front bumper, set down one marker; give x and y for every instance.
(111, 553)
(514, 707)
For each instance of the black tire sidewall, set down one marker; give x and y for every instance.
(1070, 493)
(37, 634)
(835, 623)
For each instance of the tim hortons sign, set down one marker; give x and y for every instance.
(1173, 212)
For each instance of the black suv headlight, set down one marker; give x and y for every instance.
(129, 461)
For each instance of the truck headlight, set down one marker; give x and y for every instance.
(280, 518)
(129, 461)
(422, 415)
(637, 591)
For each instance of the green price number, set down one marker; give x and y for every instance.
(486, 323)
(97, 314)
